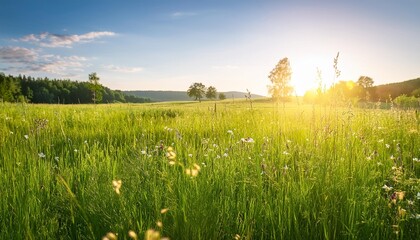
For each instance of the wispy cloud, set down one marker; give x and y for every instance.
(19, 59)
(63, 40)
(183, 14)
(123, 69)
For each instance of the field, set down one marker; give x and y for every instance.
(190, 171)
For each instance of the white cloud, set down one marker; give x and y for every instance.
(62, 40)
(183, 14)
(24, 60)
(123, 69)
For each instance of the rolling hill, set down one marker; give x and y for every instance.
(393, 90)
(167, 96)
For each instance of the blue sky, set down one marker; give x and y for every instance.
(231, 44)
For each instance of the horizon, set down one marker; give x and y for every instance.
(168, 45)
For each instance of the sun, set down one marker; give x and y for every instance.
(305, 72)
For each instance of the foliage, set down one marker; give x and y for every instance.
(280, 78)
(211, 92)
(302, 172)
(44, 90)
(197, 91)
(95, 87)
(222, 96)
(393, 90)
(416, 92)
(405, 101)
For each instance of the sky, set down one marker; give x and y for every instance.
(231, 44)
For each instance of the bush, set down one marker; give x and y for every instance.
(404, 101)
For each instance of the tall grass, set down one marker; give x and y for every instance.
(299, 172)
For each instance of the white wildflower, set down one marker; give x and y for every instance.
(386, 188)
(26, 136)
(41, 155)
(416, 160)
(143, 152)
(387, 145)
(230, 132)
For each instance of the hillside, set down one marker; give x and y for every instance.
(384, 91)
(166, 96)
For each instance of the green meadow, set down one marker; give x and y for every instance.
(205, 171)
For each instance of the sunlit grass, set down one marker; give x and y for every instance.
(206, 171)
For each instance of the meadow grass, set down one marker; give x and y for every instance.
(190, 171)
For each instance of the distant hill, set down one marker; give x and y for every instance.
(167, 96)
(384, 91)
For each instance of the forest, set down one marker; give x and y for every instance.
(44, 90)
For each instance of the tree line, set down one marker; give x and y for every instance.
(44, 90)
(199, 90)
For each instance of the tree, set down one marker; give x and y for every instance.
(365, 82)
(95, 87)
(416, 93)
(197, 90)
(222, 96)
(211, 92)
(280, 78)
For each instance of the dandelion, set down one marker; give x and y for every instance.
(41, 155)
(164, 210)
(26, 136)
(117, 185)
(132, 235)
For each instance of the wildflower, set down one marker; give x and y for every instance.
(392, 157)
(57, 159)
(416, 216)
(75, 150)
(152, 234)
(193, 172)
(237, 237)
(132, 235)
(400, 195)
(172, 163)
(225, 155)
(285, 153)
(159, 224)
(387, 145)
(401, 212)
(416, 160)
(380, 140)
(117, 185)
(164, 210)
(110, 236)
(286, 167)
(247, 140)
(26, 136)
(171, 155)
(41, 155)
(190, 155)
(86, 142)
(386, 188)
(230, 132)
(143, 152)
(11, 132)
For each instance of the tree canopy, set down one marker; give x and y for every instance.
(44, 90)
(280, 78)
(197, 91)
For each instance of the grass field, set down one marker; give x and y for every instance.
(188, 171)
